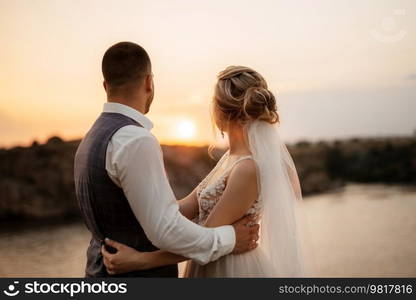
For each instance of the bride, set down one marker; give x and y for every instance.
(255, 176)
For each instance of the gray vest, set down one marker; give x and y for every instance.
(103, 204)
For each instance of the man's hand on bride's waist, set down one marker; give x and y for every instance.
(246, 234)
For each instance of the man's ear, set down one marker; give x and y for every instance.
(105, 85)
(149, 83)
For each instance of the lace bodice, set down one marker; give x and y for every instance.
(209, 192)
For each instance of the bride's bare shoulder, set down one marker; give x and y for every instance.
(245, 170)
(242, 183)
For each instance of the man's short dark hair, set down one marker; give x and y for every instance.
(125, 63)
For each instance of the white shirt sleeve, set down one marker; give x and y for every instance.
(137, 167)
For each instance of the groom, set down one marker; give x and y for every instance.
(120, 181)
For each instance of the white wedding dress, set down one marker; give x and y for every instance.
(280, 250)
(209, 192)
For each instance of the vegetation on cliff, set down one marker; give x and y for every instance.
(37, 181)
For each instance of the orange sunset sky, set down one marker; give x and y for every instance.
(339, 68)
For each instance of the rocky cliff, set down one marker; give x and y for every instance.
(36, 182)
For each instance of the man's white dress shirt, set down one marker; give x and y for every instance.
(134, 162)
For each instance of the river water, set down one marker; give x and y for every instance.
(357, 231)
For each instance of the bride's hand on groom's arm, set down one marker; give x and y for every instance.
(126, 259)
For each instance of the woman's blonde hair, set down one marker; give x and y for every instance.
(241, 95)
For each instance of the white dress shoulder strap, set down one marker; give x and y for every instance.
(237, 161)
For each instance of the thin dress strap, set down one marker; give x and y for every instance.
(217, 166)
(237, 161)
(206, 181)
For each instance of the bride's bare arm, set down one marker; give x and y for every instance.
(240, 193)
(188, 206)
(127, 259)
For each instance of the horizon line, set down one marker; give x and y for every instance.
(202, 145)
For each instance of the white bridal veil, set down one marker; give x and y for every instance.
(282, 227)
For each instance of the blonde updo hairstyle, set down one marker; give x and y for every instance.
(241, 95)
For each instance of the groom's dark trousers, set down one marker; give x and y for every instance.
(103, 204)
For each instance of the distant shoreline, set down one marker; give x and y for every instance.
(37, 181)
(328, 140)
(21, 225)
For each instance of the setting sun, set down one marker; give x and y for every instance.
(186, 129)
